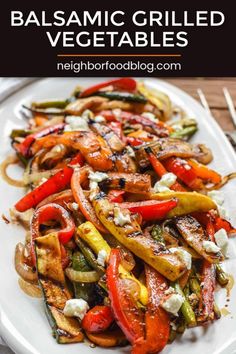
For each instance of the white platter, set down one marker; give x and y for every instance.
(23, 323)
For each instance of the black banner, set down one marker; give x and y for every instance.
(191, 38)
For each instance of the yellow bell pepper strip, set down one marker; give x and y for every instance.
(131, 236)
(88, 233)
(204, 172)
(188, 202)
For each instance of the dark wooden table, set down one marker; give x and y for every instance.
(212, 89)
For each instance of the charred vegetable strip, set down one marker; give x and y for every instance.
(194, 235)
(52, 281)
(24, 147)
(131, 236)
(94, 239)
(125, 83)
(156, 319)
(205, 172)
(51, 212)
(129, 317)
(151, 209)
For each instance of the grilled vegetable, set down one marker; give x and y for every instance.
(94, 239)
(186, 308)
(188, 202)
(131, 236)
(52, 281)
(194, 235)
(122, 96)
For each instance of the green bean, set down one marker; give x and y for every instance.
(221, 275)
(184, 133)
(82, 290)
(195, 286)
(50, 104)
(88, 254)
(122, 96)
(186, 308)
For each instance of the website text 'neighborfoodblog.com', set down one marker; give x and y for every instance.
(108, 65)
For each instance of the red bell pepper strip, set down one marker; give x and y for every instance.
(24, 147)
(208, 277)
(51, 212)
(156, 318)
(98, 319)
(204, 172)
(54, 184)
(84, 204)
(115, 196)
(223, 224)
(151, 209)
(134, 141)
(160, 169)
(128, 316)
(184, 171)
(125, 83)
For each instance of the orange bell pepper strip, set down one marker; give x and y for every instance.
(161, 170)
(84, 204)
(204, 172)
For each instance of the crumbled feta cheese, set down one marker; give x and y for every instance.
(121, 219)
(87, 114)
(184, 255)
(165, 182)
(150, 116)
(117, 112)
(217, 197)
(222, 241)
(173, 326)
(75, 206)
(187, 167)
(223, 213)
(130, 151)
(210, 246)
(102, 256)
(75, 123)
(173, 303)
(99, 119)
(76, 308)
(170, 290)
(95, 178)
(43, 180)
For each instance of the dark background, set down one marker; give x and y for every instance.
(25, 51)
